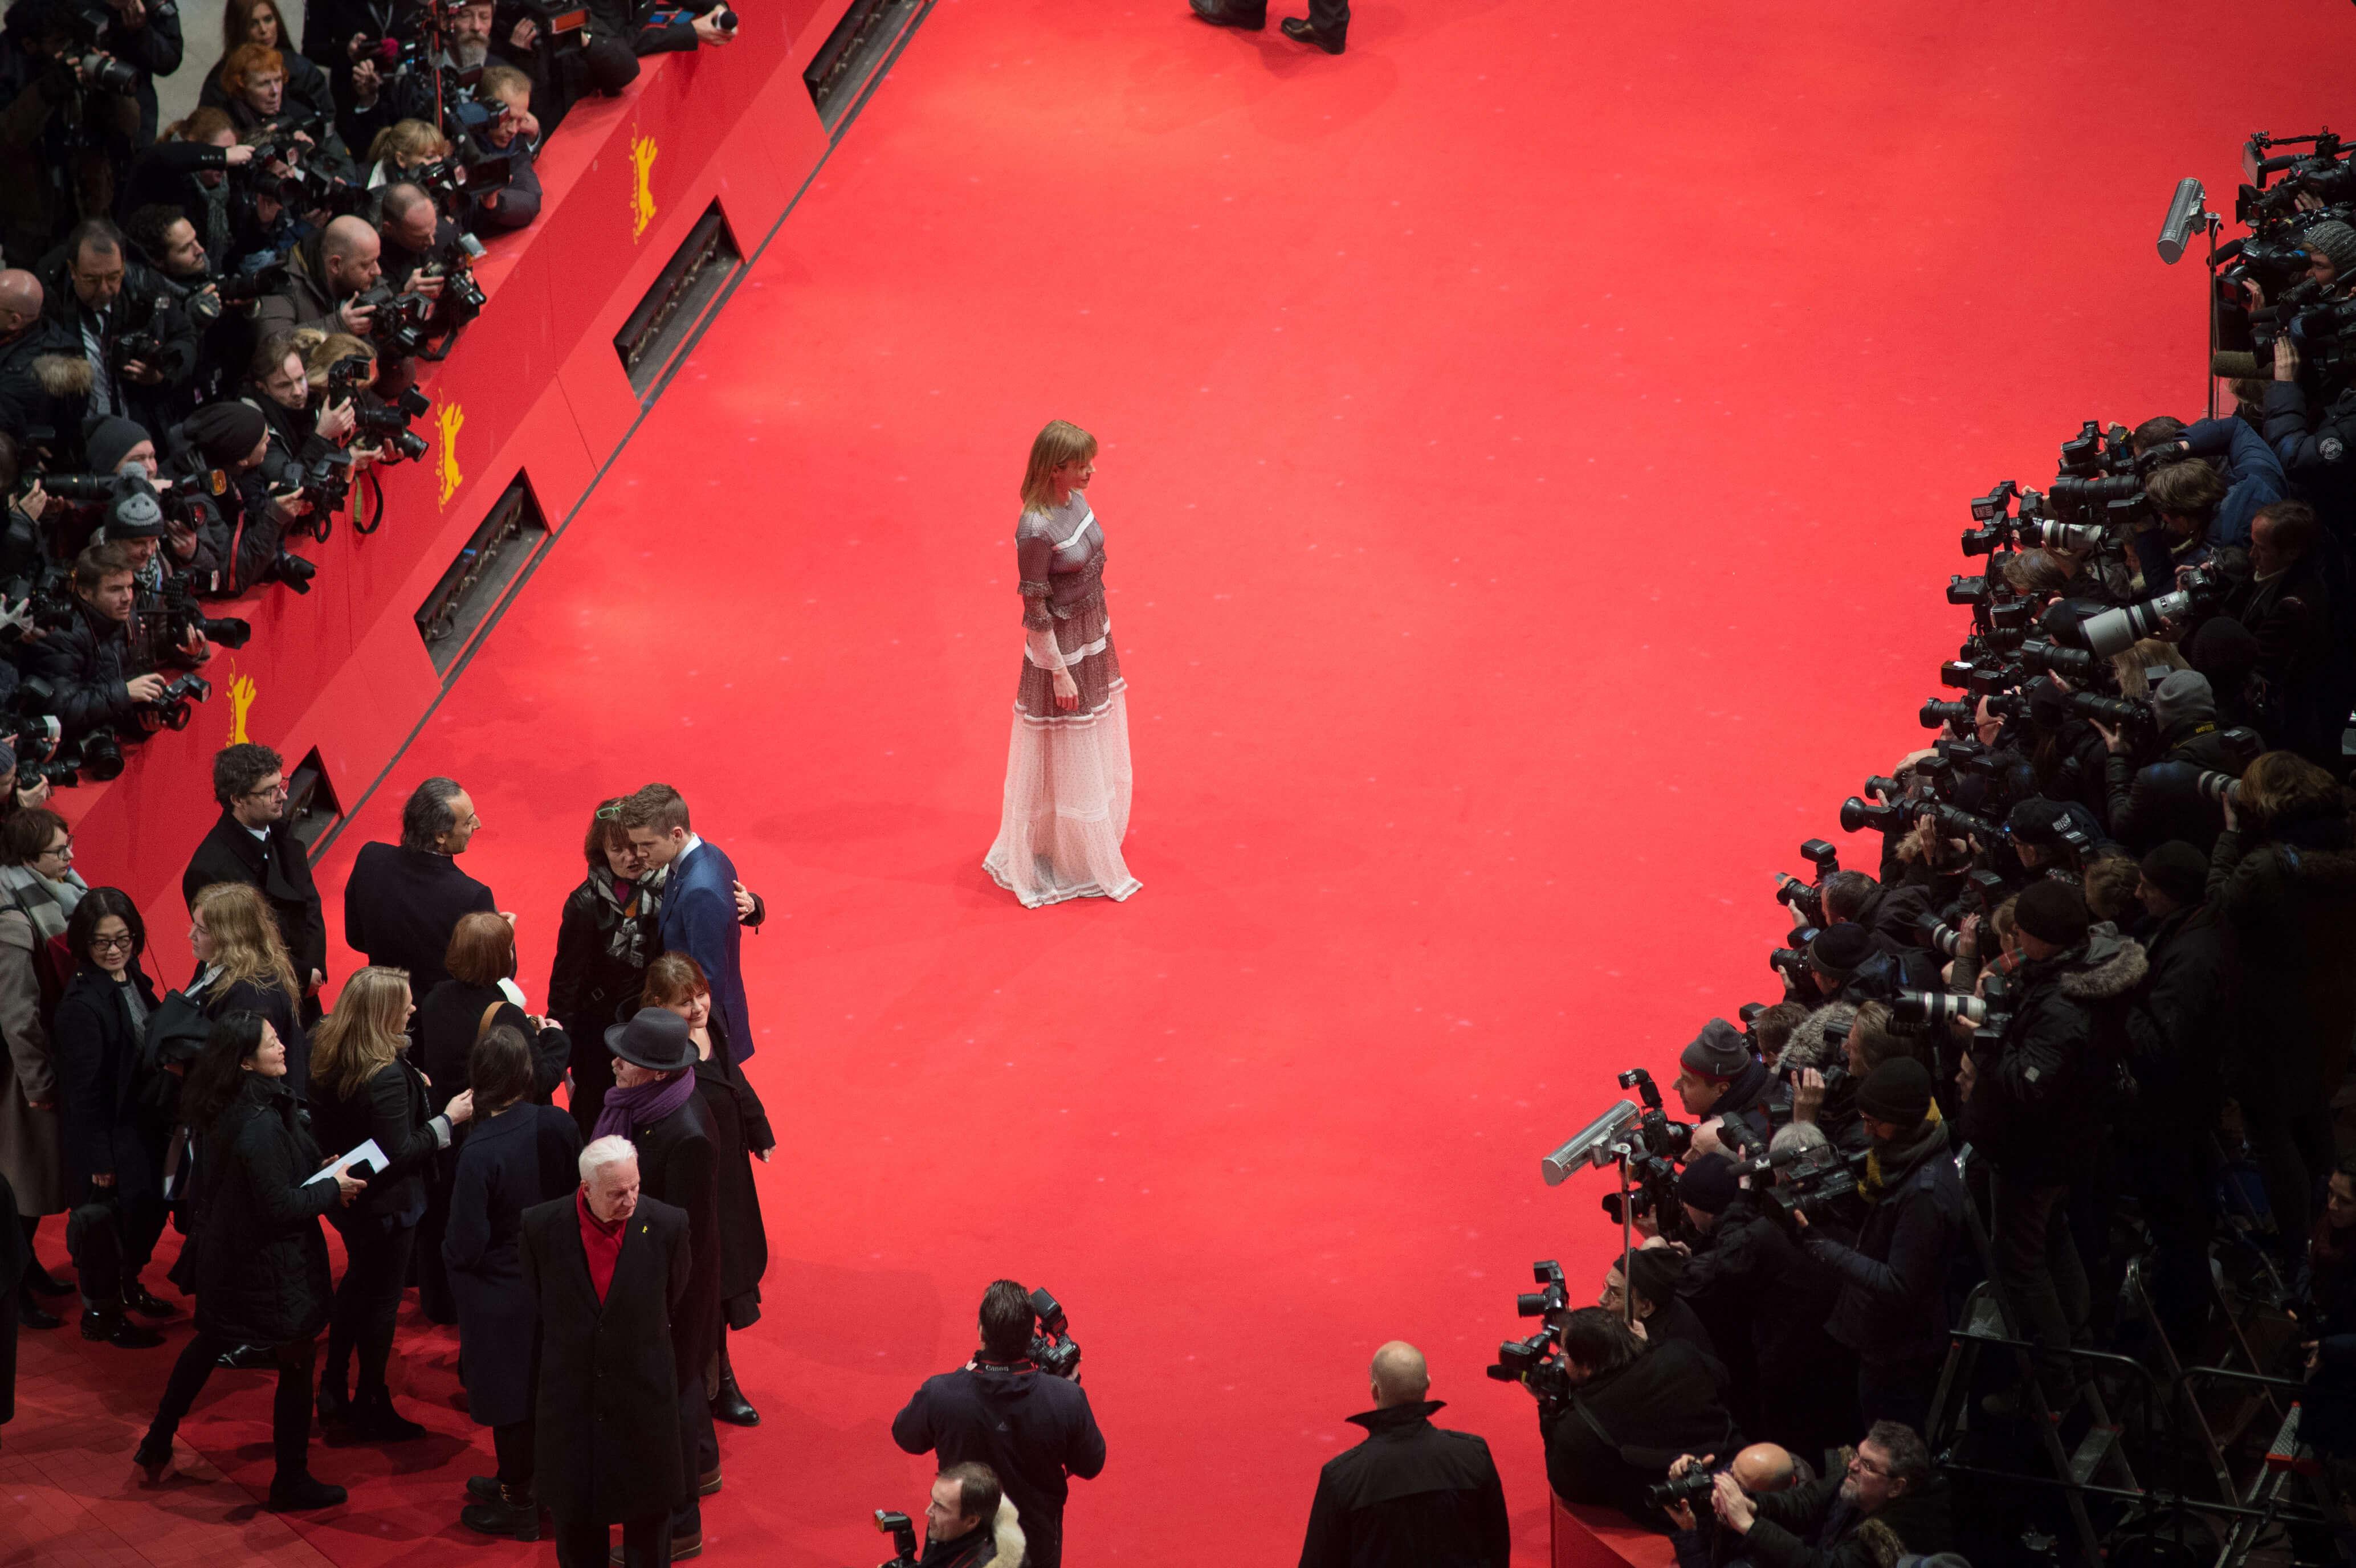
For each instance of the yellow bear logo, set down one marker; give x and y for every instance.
(453, 419)
(241, 703)
(642, 193)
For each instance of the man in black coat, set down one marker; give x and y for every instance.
(1632, 1410)
(1893, 1309)
(655, 1097)
(607, 1271)
(105, 298)
(89, 663)
(2160, 801)
(1412, 1495)
(251, 844)
(404, 899)
(1031, 1428)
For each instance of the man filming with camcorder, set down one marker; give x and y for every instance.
(1018, 1407)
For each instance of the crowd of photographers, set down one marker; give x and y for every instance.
(209, 330)
(2102, 958)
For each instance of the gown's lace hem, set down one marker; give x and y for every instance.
(1066, 806)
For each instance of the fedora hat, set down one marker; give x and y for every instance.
(655, 1039)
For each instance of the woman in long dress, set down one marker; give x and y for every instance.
(1068, 777)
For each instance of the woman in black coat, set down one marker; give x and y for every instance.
(741, 1134)
(261, 1262)
(365, 1089)
(456, 1013)
(243, 965)
(99, 1035)
(518, 1154)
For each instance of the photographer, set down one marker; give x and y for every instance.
(2314, 452)
(509, 136)
(563, 70)
(1631, 1410)
(190, 171)
(411, 228)
(2039, 1102)
(1031, 1428)
(971, 1520)
(166, 241)
(1760, 1467)
(44, 379)
(326, 275)
(70, 122)
(2198, 505)
(88, 664)
(1718, 1076)
(232, 438)
(1662, 1314)
(140, 349)
(1848, 963)
(1892, 1307)
(2158, 801)
(1412, 1495)
(253, 86)
(280, 388)
(1750, 1283)
(2285, 602)
(1886, 1503)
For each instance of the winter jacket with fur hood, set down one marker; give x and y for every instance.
(2041, 1098)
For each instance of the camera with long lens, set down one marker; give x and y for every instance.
(462, 296)
(1935, 713)
(1937, 935)
(1919, 1010)
(1053, 1349)
(2112, 632)
(1822, 1184)
(903, 1531)
(1791, 961)
(1693, 1486)
(2052, 658)
(1535, 1360)
(402, 323)
(250, 283)
(168, 618)
(2119, 712)
(48, 596)
(98, 752)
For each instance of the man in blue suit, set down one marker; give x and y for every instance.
(699, 911)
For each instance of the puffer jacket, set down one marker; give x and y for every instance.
(2043, 1096)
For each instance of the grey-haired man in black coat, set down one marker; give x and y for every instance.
(1412, 1495)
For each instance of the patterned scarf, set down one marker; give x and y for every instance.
(643, 1104)
(632, 907)
(47, 904)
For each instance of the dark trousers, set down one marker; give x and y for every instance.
(2037, 1265)
(645, 1543)
(2292, 1144)
(515, 1445)
(1331, 17)
(290, 1412)
(368, 1301)
(2169, 1168)
(1895, 1391)
(109, 1260)
(699, 1447)
(435, 1296)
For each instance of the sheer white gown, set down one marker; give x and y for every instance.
(1068, 774)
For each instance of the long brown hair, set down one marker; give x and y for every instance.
(1060, 442)
(246, 943)
(365, 1033)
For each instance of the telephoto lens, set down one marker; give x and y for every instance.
(1935, 713)
(1855, 816)
(1923, 1009)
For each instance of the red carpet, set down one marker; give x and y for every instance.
(1534, 444)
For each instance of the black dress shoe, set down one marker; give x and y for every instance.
(1297, 29)
(483, 1488)
(517, 1521)
(138, 1299)
(304, 1492)
(1219, 14)
(152, 1459)
(116, 1329)
(372, 1416)
(246, 1358)
(732, 1406)
(30, 1315)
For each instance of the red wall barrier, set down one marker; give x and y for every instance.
(534, 386)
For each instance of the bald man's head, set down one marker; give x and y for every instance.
(20, 301)
(348, 252)
(1400, 1376)
(1763, 1467)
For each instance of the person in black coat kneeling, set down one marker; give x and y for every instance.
(1412, 1495)
(1632, 1410)
(607, 1272)
(518, 1156)
(262, 1262)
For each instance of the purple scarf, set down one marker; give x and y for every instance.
(643, 1104)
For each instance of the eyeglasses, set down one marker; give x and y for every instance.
(274, 792)
(112, 943)
(58, 851)
(1860, 1462)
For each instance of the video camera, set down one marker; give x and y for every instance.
(1535, 1361)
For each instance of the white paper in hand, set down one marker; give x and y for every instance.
(367, 1151)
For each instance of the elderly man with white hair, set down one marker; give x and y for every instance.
(607, 1270)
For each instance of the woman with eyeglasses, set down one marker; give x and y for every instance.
(38, 875)
(100, 1036)
(243, 965)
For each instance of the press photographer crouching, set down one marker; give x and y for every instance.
(93, 668)
(1760, 1468)
(1615, 1412)
(970, 1521)
(1893, 1309)
(1029, 1421)
(1884, 1504)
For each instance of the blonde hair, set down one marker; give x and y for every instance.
(366, 1031)
(2149, 654)
(407, 141)
(1059, 444)
(331, 350)
(246, 944)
